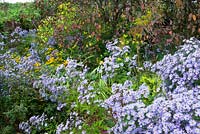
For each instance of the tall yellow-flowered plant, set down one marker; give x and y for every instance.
(58, 25)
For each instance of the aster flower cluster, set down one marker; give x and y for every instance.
(164, 115)
(27, 63)
(86, 92)
(34, 122)
(181, 70)
(176, 110)
(126, 104)
(19, 31)
(54, 86)
(9, 45)
(59, 86)
(19, 34)
(51, 41)
(119, 60)
(15, 69)
(21, 64)
(73, 121)
(23, 33)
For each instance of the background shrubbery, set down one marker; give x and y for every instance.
(98, 66)
(13, 15)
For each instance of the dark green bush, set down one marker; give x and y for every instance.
(13, 15)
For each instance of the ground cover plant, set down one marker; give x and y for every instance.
(118, 67)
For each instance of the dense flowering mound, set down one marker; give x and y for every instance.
(86, 101)
(12, 65)
(181, 70)
(175, 115)
(176, 110)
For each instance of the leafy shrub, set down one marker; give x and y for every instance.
(139, 23)
(59, 26)
(47, 7)
(63, 32)
(84, 32)
(13, 15)
(184, 18)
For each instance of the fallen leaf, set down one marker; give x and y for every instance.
(194, 17)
